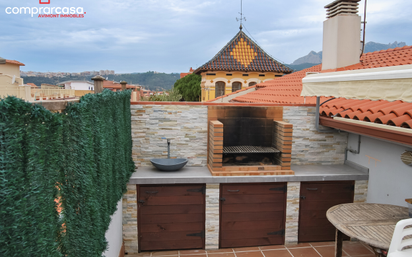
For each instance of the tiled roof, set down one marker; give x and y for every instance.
(15, 62)
(32, 85)
(242, 54)
(182, 75)
(115, 85)
(287, 90)
(395, 113)
(384, 58)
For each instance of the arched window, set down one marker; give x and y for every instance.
(252, 84)
(236, 86)
(219, 88)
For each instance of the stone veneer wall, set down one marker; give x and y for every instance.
(212, 217)
(130, 220)
(185, 125)
(361, 191)
(310, 146)
(292, 213)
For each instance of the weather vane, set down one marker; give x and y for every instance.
(241, 15)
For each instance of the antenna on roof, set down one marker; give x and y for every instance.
(241, 15)
(364, 29)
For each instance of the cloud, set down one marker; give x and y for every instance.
(173, 35)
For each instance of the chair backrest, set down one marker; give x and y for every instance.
(402, 238)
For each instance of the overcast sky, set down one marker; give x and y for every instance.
(174, 35)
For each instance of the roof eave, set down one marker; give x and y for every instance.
(364, 129)
(200, 70)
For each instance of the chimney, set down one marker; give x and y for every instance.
(341, 34)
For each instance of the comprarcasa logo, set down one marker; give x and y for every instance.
(44, 11)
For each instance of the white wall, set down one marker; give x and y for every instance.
(79, 86)
(114, 235)
(10, 69)
(390, 180)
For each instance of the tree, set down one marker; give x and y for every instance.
(168, 96)
(189, 87)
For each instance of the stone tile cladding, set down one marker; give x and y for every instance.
(310, 146)
(361, 191)
(186, 126)
(130, 220)
(292, 213)
(212, 217)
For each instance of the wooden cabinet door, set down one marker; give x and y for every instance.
(252, 214)
(171, 217)
(315, 199)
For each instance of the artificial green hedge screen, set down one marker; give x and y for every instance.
(62, 174)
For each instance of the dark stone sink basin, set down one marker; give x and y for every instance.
(169, 164)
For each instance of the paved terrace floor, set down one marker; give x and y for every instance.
(318, 249)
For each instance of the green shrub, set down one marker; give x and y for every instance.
(81, 156)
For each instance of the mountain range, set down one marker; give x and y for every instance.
(314, 58)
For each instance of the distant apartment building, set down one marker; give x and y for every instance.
(10, 73)
(106, 72)
(64, 74)
(11, 83)
(77, 85)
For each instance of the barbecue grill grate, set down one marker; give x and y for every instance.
(249, 149)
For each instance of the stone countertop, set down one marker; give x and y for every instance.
(188, 175)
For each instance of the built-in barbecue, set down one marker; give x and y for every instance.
(248, 140)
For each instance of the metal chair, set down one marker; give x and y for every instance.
(401, 244)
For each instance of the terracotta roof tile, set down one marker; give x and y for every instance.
(395, 113)
(407, 124)
(385, 118)
(399, 120)
(292, 83)
(281, 89)
(32, 85)
(287, 89)
(242, 54)
(15, 62)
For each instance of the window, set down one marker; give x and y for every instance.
(261, 75)
(228, 74)
(245, 75)
(211, 74)
(236, 86)
(252, 84)
(219, 88)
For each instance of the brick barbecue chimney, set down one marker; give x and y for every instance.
(341, 34)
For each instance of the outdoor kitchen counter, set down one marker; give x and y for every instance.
(187, 175)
